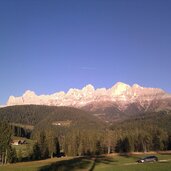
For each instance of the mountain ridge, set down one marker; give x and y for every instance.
(120, 98)
(119, 92)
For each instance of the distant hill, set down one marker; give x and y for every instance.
(160, 119)
(65, 118)
(49, 116)
(80, 132)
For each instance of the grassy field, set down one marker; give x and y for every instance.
(101, 163)
(30, 127)
(55, 164)
(122, 163)
(23, 150)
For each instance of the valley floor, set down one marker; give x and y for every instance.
(100, 163)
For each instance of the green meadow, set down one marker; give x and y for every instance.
(100, 163)
(128, 163)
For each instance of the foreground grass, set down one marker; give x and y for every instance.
(128, 163)
(55, 164)
(101, 163)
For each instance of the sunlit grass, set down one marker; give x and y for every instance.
(128, 163)
(100, 163)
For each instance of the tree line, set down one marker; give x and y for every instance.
(78, 142)
(85, 135)
(7, 153)
(90, 142)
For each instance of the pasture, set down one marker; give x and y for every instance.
(100, 163)
(128, 163)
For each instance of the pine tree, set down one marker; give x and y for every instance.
(126, 145)
(12, 155)
(42, 143)
(36, 155)
(169, 143)
(5, 140)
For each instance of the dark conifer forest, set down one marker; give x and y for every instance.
(68, 131)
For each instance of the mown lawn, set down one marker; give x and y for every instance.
(127, 163)
(101, 163)
(56, 164)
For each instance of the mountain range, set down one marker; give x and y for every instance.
(112, 104)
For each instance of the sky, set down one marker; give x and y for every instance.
(50, 46)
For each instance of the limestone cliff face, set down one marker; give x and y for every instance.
(120, 95)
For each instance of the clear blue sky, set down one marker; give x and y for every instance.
(53, 45)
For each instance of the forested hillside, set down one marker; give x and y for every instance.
(69, 127)
(76, 132)
(144, 132)
(34, 114)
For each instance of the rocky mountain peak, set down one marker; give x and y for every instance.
(136, 86)
(119, 88)
(121, 95)
(88, 88)
(29, 93)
